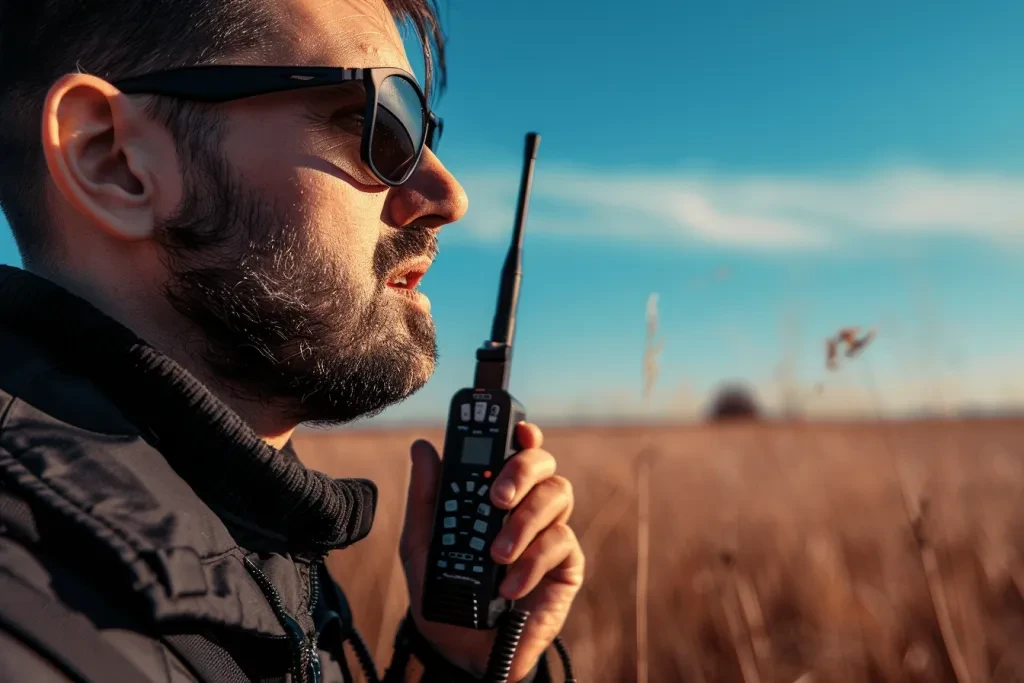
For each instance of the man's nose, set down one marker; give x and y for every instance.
(431, 197)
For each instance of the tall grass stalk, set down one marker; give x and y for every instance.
(917, 515)
(642, 564)
(652, 347)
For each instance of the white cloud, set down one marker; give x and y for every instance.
(753, 211)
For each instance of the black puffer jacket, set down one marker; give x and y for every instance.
(133, 498)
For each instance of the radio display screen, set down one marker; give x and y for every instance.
(476, 450)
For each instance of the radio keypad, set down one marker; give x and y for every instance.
(468, 547)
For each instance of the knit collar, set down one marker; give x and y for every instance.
(234, 471)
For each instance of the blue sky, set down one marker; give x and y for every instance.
(773, 171)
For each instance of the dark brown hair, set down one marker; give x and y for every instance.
(41, 40)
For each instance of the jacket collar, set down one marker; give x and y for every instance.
(235, 472)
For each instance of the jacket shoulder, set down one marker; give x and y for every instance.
(54, 626)
(22, 663)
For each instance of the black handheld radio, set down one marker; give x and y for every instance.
(461, 583)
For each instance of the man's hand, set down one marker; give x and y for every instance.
(546, 560)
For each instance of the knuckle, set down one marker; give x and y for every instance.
(563, 535)
(534, 552)
(564, 485)
(559, 490)
(579, 561)
(581, 571)
(530, 464)
(517, 467)
(540, 455)
(535, 504)
(528, 553)
(550, 464)
(534, 460)
(540, 462)
(567, 512)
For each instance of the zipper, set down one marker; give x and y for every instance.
(306, 659)
(314, 595)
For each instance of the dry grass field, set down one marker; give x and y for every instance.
(776, 553)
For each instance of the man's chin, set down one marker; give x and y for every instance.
(428, 364)
(337, 401)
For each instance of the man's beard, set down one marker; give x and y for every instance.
(282, 324)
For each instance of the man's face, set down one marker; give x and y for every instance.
(284, 247)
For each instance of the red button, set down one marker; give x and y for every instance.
(487, 474)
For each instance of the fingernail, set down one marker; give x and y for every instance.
(504, 491)
(511, 586)
(504, 547)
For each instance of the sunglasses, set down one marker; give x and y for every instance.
(397, 126)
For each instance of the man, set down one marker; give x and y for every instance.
(212, 257)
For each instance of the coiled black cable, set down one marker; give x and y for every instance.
(409, 642)
(364, 657)
(563, 653)
(499, 665)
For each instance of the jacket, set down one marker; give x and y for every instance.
(135, 503)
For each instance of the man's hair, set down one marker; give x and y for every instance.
(41, 40)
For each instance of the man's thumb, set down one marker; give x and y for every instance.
(419, 509)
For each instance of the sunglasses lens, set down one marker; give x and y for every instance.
(398, 130)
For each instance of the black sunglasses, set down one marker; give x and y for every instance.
(397, 125)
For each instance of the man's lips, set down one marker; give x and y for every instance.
(404, 279)
(408, 274)
(407, 281)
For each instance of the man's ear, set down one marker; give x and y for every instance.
(100, 157)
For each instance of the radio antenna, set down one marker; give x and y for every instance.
(494, 358)
(504, 327)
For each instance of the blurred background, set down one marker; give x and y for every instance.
(774, 171)
(724, 188)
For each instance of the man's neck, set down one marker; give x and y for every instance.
(159, 325)
(255, 416)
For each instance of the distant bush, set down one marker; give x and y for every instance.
(733, 402)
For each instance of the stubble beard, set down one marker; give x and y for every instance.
(281, 322)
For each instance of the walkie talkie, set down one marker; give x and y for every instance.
(461, 583)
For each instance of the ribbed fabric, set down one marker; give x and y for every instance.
(205, 441)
